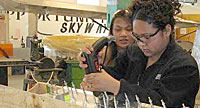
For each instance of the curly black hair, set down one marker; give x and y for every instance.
(156, 12)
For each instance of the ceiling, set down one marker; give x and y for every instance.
(190, 9)
(67, 8)
(55, 7)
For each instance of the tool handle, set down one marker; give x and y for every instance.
(92, 62)
(93, 67)
(92, 59)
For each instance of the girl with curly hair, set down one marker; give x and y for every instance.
(156, 68)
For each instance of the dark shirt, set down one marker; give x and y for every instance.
(173, 78)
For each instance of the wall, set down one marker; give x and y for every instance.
(182, 31)
(103, 3)
(4, 24)
(181, 34)
(196, 47)
(2, 28)
(16, 28)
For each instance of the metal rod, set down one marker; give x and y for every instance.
(115, 102)
(65, 83)
(95, 101)
(183, 105)
(138, 101)
(104, 102)
(151, 102)
(127, 102)
(85, 95)
(107, 98)
(73, 97)
(74, 88)
(163, 104)
(70, 93)
(56, 89)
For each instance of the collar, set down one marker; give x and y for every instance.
(167, 54)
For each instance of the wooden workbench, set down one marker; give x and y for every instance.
(15, 98)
